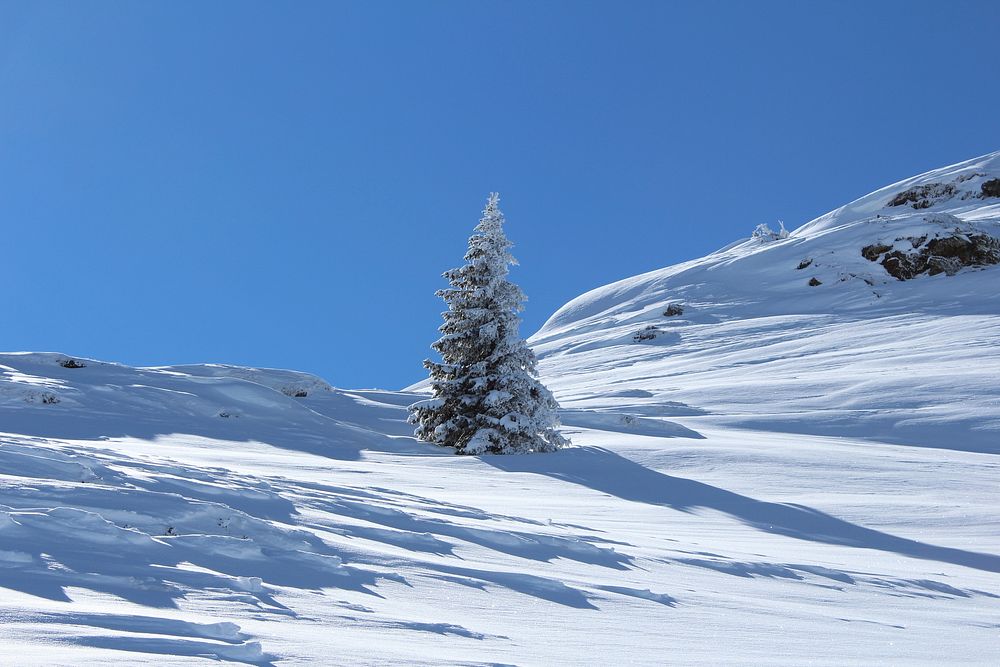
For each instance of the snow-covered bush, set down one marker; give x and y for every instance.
(486, 399)
(763, 233)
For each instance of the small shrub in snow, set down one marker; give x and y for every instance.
(486, 399)
(43, 397)
(649, 333)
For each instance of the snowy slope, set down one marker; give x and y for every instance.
(861, 354)
(783, 474)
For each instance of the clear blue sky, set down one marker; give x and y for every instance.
(281, 184)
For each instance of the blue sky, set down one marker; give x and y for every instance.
(282, 184)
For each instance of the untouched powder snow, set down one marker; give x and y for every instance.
(779, 474)
(860, 354)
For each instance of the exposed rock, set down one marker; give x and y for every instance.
(803, 264)
(814, 282)
(900, 265)
(673, 310)
(991, 188)
(946, 265)
(295, 392)
(972, 250)
(71, 363)
(940, 255)
(872, 252)
(924, 196)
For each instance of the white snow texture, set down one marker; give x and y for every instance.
(782, 454)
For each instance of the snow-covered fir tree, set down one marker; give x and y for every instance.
(486, 399)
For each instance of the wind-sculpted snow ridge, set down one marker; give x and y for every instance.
(58, 395)
(880, 319)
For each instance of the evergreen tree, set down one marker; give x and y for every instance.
(486, 399)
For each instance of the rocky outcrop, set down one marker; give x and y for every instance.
(872, 252)
(673, 310)
(946, 255)
(924, 196)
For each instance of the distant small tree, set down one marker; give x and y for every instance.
(485, 396)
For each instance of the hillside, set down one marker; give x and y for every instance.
(863, 353)
(780, 473)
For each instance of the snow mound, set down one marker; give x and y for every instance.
(290, 383)
(43, 394)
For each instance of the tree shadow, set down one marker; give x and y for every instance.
(542, 588)
(421, 533)
(626, 422)
(602, 470)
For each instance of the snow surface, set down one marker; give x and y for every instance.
(783, 474)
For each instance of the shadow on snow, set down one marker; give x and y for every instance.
(607, 472)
